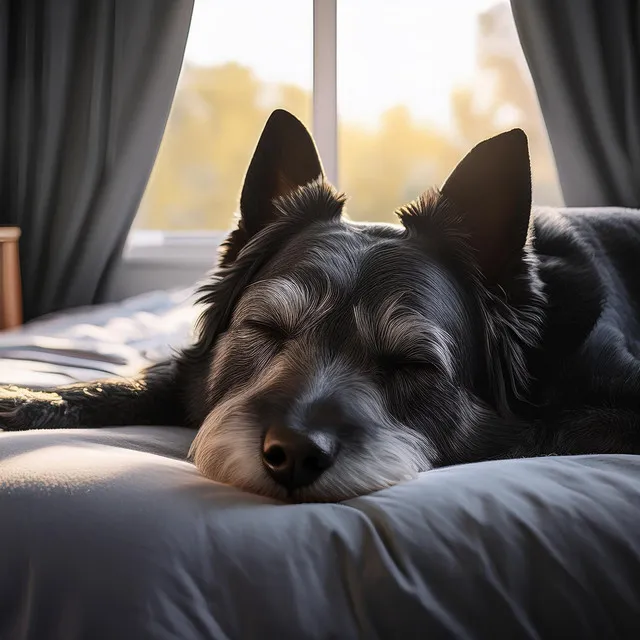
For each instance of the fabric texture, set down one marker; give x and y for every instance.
(106, 340)
(86, 91)
(111, 534)
(584, 58)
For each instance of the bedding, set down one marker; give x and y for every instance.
(112, 533)
(115, 339)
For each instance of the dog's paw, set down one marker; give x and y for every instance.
(13, 401)
(23, 409)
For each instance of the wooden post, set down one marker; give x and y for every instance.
(10, 281)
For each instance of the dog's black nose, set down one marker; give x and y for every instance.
(295, 458)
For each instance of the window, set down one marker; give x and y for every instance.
(416, 83)
(419, 83)
(243, 59)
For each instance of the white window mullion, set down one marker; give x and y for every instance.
(325, 90)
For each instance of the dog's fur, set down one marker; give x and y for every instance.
(471, 331)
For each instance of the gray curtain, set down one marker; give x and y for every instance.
(584, 56)
(85, 91)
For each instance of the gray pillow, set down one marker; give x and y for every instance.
(111, 534)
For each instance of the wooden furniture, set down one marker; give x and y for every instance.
(10, 282)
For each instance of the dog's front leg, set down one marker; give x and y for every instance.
(152, 398)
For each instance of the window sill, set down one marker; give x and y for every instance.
(173, 247)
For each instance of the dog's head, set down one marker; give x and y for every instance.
(338, 358)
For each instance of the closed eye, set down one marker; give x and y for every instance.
(268, 330)
(393, 363)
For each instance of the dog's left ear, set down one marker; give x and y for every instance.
(284, 159)
(491, 189)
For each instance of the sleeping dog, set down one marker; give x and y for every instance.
(336, 358)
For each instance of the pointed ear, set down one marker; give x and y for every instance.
(491, 188)
(284, 159)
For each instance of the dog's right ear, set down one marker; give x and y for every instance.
(285, 159)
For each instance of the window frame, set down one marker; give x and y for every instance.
(325, 85)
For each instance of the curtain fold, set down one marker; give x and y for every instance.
(584, 57)
(85, 92)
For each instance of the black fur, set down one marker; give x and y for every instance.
(503, 335)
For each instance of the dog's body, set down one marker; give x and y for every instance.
(586, 371)
(336, 358)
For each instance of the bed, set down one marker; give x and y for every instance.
(112, 533)
(115, 339)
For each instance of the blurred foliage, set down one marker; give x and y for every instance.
(219, 112)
